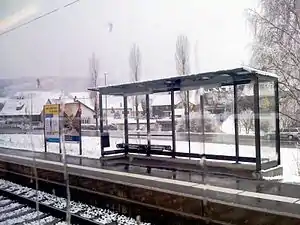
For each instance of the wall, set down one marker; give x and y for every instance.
(90, 189)
(87, 115)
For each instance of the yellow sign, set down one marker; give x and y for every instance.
(51, 123)
(52, 109)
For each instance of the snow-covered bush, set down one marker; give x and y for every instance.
(211, 123)
(265, 125)
(296, 159)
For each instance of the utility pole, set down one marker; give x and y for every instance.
(34, 161)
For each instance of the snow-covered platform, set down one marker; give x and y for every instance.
(209, 197)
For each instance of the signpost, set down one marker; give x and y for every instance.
(51, 124)
(65, 121)
(62, 123)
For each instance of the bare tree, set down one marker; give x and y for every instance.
(94, 72)
(182, 59)
(216, 97)
(135, 70)
(247, 120)
(276, 48)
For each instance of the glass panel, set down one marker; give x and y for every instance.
(245, 108)
(113, 119)
(136, 121)
(195, 123)
(219, 121)
(181, 101)
(160, 121)
(267, 122)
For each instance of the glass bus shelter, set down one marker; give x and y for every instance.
(261, 153)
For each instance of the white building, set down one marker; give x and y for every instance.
(30, 104)
(114, 107)
(87, 113)
(2, 103)
(26, 104)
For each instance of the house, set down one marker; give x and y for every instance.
(115, 104)
(83, 97)
(2, 103)
(87, 112)
(161, 104)
(25, 105)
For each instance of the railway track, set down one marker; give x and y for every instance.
(17, 206)
(13, 212)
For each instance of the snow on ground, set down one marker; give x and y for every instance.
(91, 148)
(99, 215)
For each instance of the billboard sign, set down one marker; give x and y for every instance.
(51, 117)
(72, 122)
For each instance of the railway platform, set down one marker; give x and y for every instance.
(210, 197)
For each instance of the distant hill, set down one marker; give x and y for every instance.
(9, 86)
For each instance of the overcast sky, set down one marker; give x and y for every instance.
(60, 44)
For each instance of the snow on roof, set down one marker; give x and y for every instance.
(265, 89)
(112, 101)
(66, 100)
(3, 100)
(61, 100)
(84, 98)
(27, 103)
(117, 102)
(165, 99)
(185, 82)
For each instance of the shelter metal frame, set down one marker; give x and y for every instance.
(234, 77)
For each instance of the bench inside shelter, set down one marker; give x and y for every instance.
(144, 147)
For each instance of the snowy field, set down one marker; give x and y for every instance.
(12, 212)
(91, 148)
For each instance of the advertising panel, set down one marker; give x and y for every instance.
(51, 117)
(72, 122)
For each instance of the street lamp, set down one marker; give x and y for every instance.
(110, 27)
(106, 109)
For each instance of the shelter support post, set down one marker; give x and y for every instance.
(257, 124)
(202, 121)
(277, 134)
(148, 124)
(236, 123)
(173, 125)
(101, 122)
(44, 119)
(126, 124)
(188, 120)
(80, 134)
(60, 127)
